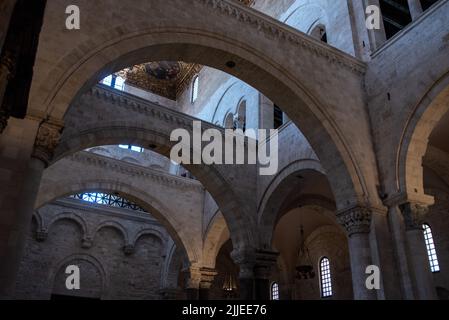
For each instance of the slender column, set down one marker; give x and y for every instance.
(193, 279)
(357, 222)
(415, 8)
(246, 260)
(414, 215)
(265, 263)
(15, 223)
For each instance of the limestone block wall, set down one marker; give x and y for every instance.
(147, 158)
(218, 95)
(404, 77)
(123, 259)
(176, 201)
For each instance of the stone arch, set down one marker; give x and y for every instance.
(114, 225)
(413, 145)
(119, 132)
(51, 192)
(305, 17)
(118, 47)
(274, 198)
(73, 217)
(39, 221)
(148, 232)
(172, 266)
(217, 234)
(84, 257)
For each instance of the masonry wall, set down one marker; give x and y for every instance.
(325, 241)
(109, 267)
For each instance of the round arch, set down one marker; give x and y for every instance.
(114, 225)
(414, 141)
(118, 48)
(277, 196)
(217, 234)
(115, 133)
(54, 191)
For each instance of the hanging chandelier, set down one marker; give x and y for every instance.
(229, 286)
(304, 269)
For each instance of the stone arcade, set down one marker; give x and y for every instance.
(86, 179)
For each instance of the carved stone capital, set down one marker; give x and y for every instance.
(47, 139)
(414, 215)
(246, 260)
(355, 220)
(265, 263)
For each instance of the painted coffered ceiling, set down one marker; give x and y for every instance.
(165, 78)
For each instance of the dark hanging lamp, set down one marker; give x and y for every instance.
(304, 269)
(229, 286)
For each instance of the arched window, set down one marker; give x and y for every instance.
(131, 147)
(114, 81)
(107, 199)
(241, 114)
(195, 87)
(431, 251)
(319, 32)
(229, 121)
(275, 291)
(325, 278)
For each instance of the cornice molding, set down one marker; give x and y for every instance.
(145, 107)
(277, 30)
(134, 171)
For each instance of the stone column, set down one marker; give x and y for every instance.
(193, 279)
(357, 222)
(414, 215)
(246, 260)
(16, 223)
(265, 262)
(207, 279)
(415, 8)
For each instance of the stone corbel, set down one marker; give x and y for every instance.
(47, 140)
(87, 243)
(128, 249)
(414, 215)
(355, 220)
